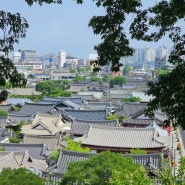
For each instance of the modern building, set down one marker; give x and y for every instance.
(62, 58)
(16, 57)
(28, 55)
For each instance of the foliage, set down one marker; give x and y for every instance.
(126, 70)
(168, 91)
(118, 80)
(14, 140)
(12, 27)
(20, 176)
(162, 72)
(79, 78)
(75, 146)
(34, 98)
(53, 156)
(98, 169)
(111, 117)
(3, 113)
(124, 177)
(16, 108)
(132, 99)
(97, 79)
(166, 177)
(137, 151)
(105, 78)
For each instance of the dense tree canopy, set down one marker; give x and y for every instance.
(147, 24)
(98, 169)
(20, 176)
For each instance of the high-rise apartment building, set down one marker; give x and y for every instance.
(28, 55)
(149, 54)
(62, 58)
(16, 57)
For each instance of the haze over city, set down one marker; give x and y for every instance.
(63, 27)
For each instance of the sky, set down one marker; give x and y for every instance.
(61, 27)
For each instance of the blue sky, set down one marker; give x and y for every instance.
(61, 27)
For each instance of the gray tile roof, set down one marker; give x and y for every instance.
(81, 127)
(36, 151)
(123, 137)
(98, 105)
(14, 119)
(88, 97)
(139, 122)
(5, 134)
(16, 101)
(34, 108)
(7, 107)
(3, 123)
(132, 109)
(96, 115)
(69, 156)
(52, 142)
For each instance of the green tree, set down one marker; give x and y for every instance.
(75, 146)
(111, 117)
(124, 177)
(97, 79)
(12, 27)
(118, 80)
(3, 113)
(79, 78)
(126, 70)
(98, 169)
(132, 99)
(20, 176)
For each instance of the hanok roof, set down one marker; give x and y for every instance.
(139, 122)
(75, 88)
(88, 97)
(122, 137)
(52, 142)
(98, 105)
(34, 108)
(36, 151)
(3, 123)
(4, 135)
(18, 101)
(17, 159)
(45, 124)
(69, 156)
(96, 115)
(7, 108)
(14, 119)
(81, 127)
(96, 94)
(132, 109)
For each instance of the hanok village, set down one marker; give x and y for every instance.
(44, 127)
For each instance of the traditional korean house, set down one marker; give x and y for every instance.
(121, 139)
(81, 127)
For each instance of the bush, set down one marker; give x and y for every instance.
(3, 113)
(137, 151)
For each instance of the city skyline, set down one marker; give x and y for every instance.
(62, 27)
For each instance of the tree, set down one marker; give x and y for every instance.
(20, 176)
(12, 28)
(132, 99)
(118, 80)
(137, 151)
(75, 146)
(97, 170)
(3, 113)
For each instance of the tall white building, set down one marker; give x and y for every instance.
(62, 58)
(149, 54)
(16, 57)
